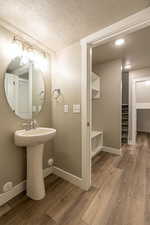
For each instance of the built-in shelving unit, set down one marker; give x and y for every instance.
(96, 135)
(143, 105)
(97, 142)
(95, 86)
(124, 138)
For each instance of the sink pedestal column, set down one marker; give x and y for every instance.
(35, 179)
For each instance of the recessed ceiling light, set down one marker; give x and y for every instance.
(147, 83)
(119, 42)
(127, 66)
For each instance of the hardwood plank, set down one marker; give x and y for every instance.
(127, 209)
(18, 200)
(60, 207)
(147, 198)
(101, 201)
(102, 169)
(43, 220)
(74, 215)
(136, 198)
(4, 209)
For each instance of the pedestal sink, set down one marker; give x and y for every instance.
(34, 140)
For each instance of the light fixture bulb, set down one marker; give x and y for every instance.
(127, 67)
(147, 82)
(41, 62)
(45, 64)
(25, 57)
(119, 42)
(15, 49)
(28, 54)
(31, 55)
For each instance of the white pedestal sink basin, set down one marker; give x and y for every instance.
(34, 140)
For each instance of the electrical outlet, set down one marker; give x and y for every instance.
(76, 108)
(50, 162)
(8, 186)
(66, 108)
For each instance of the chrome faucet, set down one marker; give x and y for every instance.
(34, 124)
(31, 124)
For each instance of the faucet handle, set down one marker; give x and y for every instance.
(35, 124)
(25, 126)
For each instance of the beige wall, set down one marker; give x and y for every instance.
(143, 120)
(142, 92)
(106, 111)
(12, 158)
(135, 75)
(67, 77)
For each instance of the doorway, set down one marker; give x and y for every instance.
(133, 23)
(140, 103)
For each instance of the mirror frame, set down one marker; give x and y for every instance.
(9, 107)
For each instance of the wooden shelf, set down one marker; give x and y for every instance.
(96, 151)
(124, 129)
(95, 86)
(97, 142)
(124, 123)
(125, 135)
(94, 89)
(144, 105)
(96, 133)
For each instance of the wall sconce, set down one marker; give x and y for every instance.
(57, 95)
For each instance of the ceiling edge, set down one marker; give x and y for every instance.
(25, 36)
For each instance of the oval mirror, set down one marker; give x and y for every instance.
(24, 88)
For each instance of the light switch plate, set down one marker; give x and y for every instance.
(76, 108)
(66, 108)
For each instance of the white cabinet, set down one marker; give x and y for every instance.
(97, 142)
(95, 86)
(96, 135)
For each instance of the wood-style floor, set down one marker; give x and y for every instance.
(120, 194)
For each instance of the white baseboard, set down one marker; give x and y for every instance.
(112, 150)
(131, 142)
(47, 171)
(143, 131)
(5, 197)
(68, 176)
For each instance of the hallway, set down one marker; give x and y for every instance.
(120, 194)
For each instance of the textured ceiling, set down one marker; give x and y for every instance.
(59, 23)
(135, 51)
